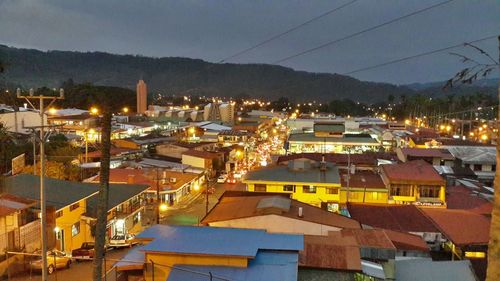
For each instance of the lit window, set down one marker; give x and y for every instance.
(75, 229)
(74, 206)
(308, 189)
(332, 190)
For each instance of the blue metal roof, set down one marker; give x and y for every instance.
(217, 240)
(267, 265)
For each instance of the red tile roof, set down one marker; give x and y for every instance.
(235, 205)
(147, 177)
(418, 172)
(362, 179)
(405, 218)
(463, 228)
(462, 198)
(201, 154)
(406, 241)
(330, 252)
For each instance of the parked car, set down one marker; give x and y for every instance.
(55, 260)
(122, 240)
(231, 179)
(86, 251)
(222, 179)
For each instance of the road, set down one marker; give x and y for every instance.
(79, 271)
(192, 213)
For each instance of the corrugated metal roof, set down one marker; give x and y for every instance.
(428, 270)
(269, 266)
(285, 174)
(217, 241)
(310, 137)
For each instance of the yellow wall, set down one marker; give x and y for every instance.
(314, 199)
(161, 271)
(371, 195)
(66, 221)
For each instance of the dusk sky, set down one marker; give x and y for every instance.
(213, 30)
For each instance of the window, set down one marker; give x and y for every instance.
(308, 189)
(332, 190)
(59, 214)
(477, 167)
(260, 188)
(493, 167)
(74, 206)
(75, 229)
(289, 187)
(401, 190)
(429, 191)
(374, 195)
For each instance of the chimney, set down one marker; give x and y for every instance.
(130, 179)
(301, 212)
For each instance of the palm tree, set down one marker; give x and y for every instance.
(467, 76)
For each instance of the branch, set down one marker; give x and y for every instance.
(482, 52)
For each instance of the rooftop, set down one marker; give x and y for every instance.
(10, 204)
(329, 127)
(428, 270)
(62, 193)
(463, 198)
(475, 154)
(235, 205)
(428, 152)
(201, 154)
(307, 173)
(404, 218)
(217, 241)
(463, 228)
(417, 171)
(148, 177)
(363, 179)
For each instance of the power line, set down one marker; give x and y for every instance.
(330, 43)
(419, 55)
(287, 31)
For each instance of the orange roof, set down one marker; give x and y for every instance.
(234, 205)
(406, 241)
(462, 198)
(330, 252)
(461, 227)
(372, 238)
(148, 176)
(417, 171)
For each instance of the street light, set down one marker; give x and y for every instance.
(94, 110)
(125, 110)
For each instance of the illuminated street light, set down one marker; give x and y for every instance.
(196, 186)
(125, 109)
(163, 207)
(94, 110)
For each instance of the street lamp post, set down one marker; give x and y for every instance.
(43, 207)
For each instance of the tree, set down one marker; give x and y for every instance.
(102, 198)
(468, 75)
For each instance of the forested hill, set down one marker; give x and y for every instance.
(33, 68)
(170, 75)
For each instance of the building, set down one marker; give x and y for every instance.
(17, 121)
(363, 186)
(414, 182)
(314, 183)
(201, 253)
(173, 185)
(72, 210)
(331, 142)
(480, 159)
(19, 224)
(203, 159)
(142, 97)
(400, 218)
(275, 213)
(433, 156)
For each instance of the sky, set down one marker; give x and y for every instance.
(213, 30)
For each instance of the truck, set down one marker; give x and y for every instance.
(86, 251)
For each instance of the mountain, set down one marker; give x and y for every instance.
(172, 75)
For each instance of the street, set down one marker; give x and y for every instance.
(192, 212)
(79, 271)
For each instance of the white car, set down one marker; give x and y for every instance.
(222, 179)
(122, 240)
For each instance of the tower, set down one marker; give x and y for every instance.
(142, 97)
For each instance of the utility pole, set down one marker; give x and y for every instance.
(43, 207)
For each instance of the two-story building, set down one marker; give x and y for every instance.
(15, 214)
(71, 208)
(414, 182)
